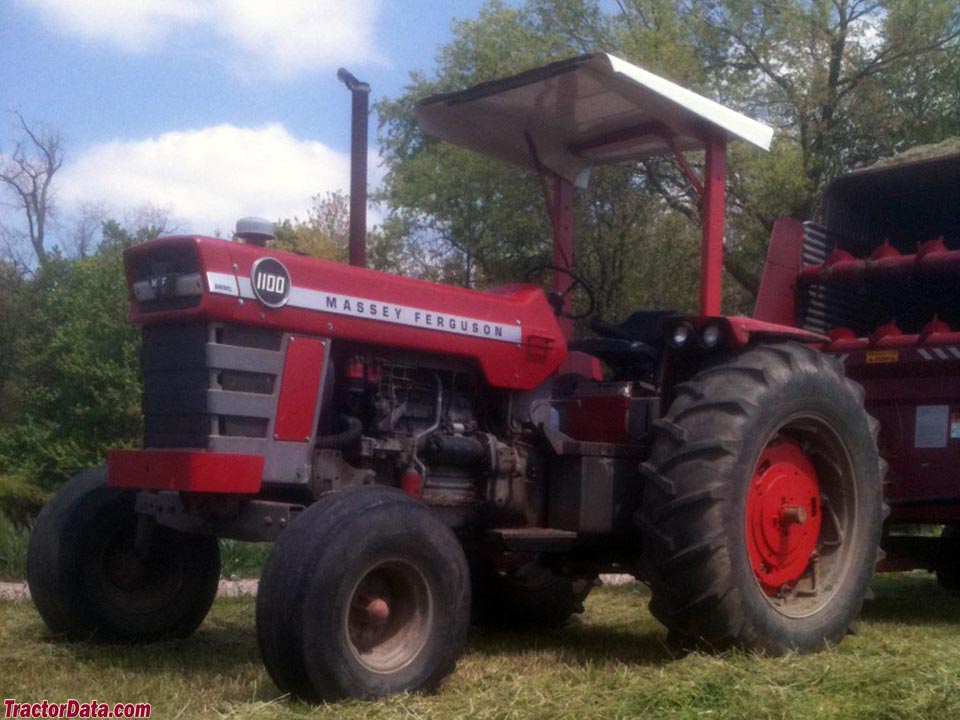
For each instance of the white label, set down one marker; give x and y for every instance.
(403, 315)
(223, 283)
(930, 429)
(380, 311)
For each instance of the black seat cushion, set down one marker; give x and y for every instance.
(618, 353)
(643, 325)
(632, 348)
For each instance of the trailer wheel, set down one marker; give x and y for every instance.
(511, 590)
(367, 594)
(88, 581)
(762, 505)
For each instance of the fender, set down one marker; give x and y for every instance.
(738, 332)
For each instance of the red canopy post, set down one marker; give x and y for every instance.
(714, 195)
(563, 245)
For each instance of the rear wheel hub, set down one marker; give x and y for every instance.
(783, 516)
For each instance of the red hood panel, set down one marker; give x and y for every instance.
(510, 332)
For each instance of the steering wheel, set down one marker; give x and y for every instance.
(558, 300)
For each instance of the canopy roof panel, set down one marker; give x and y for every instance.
(581, 112)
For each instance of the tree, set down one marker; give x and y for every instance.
(27, 174)
(488, 216)
(831, 74)
(325, 233)
(73, 389)
(11, 326)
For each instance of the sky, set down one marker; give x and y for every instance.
(208, 109)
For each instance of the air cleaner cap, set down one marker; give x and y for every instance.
(255, 230)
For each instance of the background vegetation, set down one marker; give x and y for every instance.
(843, 81)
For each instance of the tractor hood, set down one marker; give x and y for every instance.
(509, 332)
(570, 115)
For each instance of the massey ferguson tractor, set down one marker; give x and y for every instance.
(424, 455)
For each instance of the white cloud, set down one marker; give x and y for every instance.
(296, 35)
(133, 26)
(282, 37)
(209, 177)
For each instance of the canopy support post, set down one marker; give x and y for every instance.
(562, 215)
(714, 196)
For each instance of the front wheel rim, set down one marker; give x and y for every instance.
(389, 616)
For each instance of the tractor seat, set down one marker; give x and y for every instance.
(631, 347)
(618, 353)
(643, 325)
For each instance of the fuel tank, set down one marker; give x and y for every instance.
(509, 332)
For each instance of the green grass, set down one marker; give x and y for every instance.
(613, 662)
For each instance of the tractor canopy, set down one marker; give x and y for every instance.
(562, 119)
(570, 115)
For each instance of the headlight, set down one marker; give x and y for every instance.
(680, 335)
(710, 336)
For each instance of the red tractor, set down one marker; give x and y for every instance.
(423, 455)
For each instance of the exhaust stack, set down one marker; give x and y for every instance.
(358, 166)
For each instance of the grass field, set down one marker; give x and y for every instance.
(903, 663)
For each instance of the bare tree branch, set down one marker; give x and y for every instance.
(27, 174)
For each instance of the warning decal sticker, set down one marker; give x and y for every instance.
(930, 429)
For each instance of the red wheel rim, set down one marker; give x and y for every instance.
(783, 516)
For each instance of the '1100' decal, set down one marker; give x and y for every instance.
(271, 283)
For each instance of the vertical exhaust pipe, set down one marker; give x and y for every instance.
(358, 166)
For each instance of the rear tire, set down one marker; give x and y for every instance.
(524, 594)
(367, 594)
(762, 506)
(88, 582)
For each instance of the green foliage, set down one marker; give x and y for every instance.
(324, 234)
(75, 382)
(14, 537)
(20, 500)
(242, 559)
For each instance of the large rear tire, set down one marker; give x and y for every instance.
(366, 594)
(762, 505)
(89, 582)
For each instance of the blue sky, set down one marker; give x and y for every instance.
(209, 109)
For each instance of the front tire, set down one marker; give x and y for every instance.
(88, 581)
(367, 594)
(762, 506)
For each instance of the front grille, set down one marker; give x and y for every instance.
(204, 381)
(167, 278)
